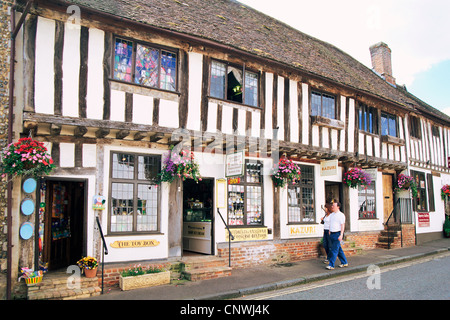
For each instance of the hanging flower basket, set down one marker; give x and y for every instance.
(179, 165)
(406, 183)
(26, 157)
(445, 192)
(355, 177)
(286, 172)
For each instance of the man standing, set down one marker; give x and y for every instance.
(337, 226)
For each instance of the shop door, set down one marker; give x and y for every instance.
(64, 223)
(388, 196)
(198, 216)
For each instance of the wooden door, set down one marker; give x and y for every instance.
(388, 196)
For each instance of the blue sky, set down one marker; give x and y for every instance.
(417, 31)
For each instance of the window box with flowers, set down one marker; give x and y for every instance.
(405, 183)
(286, 172)
(356, 177)
(26, 157)
(179, 165)
(140, 277)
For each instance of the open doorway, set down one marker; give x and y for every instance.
(64, 222)
(198, 216)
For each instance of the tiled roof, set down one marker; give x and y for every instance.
(236, 25)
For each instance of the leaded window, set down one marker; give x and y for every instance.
(301, 198)
(245, 196)
(367, 201)
(323, 105)
(388, 125)
(145, 65)
(134, 205)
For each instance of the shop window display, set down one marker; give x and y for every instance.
(245, 196)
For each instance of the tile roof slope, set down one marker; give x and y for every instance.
(234, 24)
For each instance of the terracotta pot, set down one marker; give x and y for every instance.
(90, 273)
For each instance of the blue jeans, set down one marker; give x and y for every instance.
(336, 250)
(326, 242)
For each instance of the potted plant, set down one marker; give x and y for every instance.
(447, 226)
(26, 157)
(140, 277)
(445, 192)
(179, 165)
(405, 182)
(286, 172)
(355, 177)
(89, 266)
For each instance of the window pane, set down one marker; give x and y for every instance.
(148, 167)
(254, 205)
(122, 60)
(392, 126)
(328, 106)
(123, 166)
(251, 89)
(294, 207)
(234, 82)
(316, 103)
(147, 208)
(366, 201)
(168, 70)
(236, 209)
(384, 125)
(218, 71)
(147, 60)
(122, 207)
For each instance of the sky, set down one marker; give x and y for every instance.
(417, 32)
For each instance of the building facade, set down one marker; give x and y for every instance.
(111, 87)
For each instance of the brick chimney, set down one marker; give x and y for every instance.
(381, 61)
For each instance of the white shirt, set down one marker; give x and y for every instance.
(326, 222)
(337, 219)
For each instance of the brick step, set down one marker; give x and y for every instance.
(197, 268)
(192, 263)
(54, 286)
(206, 273)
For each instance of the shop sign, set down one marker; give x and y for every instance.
(247, 234)
(134, 243)
(234, 164)
(302, 230)
(424, 219)
(328, 167)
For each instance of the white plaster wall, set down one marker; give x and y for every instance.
(94, 97)
(45, 71)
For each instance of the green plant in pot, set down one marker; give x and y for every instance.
(447, 227)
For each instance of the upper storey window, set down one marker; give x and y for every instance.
(234, 83)
(368, 119)
(388, 125)
(145, 65)
(323, 105)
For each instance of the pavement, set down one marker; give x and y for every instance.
(258, 279)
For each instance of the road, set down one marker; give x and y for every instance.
(425, 279)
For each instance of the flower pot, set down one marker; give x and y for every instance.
(90, 273)
(145, 280)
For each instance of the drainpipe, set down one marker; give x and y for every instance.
(14, 31)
